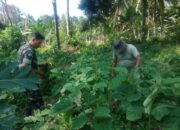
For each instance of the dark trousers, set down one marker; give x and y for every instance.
(35, 101)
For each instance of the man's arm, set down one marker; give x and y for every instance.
(136, 55)
(114, 62)
(138, 61)
(38, 72)
(27, 61)
(23, 65)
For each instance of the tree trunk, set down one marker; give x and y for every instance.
(144, 22)
(116, 14)
(154, 18)
(56, 23)
(67, 19)
(161, 12)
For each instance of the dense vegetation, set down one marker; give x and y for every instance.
(78, 89)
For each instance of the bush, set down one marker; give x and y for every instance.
(10, 39)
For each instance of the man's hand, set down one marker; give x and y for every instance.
(38, 72)
(23, 65)
(138, 61)
(113, 74)
(41, 73)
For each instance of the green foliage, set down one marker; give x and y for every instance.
(10, 39)
(102, 113)
(134, 112)
(73, 41)
(15, 80)
(86, 92)
(160, 111)
(83, 94)
(63, 106)
(12, 81)
(79, 121)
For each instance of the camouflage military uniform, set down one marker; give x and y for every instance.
(27, 54)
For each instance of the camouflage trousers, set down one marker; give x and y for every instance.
(35, 101)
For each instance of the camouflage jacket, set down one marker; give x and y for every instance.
(27, 54)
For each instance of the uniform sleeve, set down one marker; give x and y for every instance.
(135, 52)
(28, 56)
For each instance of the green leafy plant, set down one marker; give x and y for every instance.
(13, 80)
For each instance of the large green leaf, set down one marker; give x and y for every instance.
(79, 121)
(149, 100)
(134, 112)
(3, 95)
(6, 70)
(75, 91)
(105, 124)
(102, 113)
(5, 108)
(67, 87)
(133, 95)
(175, 111)
(8, 122)
(134, 77)
(75, 96)
(160, 111)
(122, 72)
(176, 89)
(170, 123)
(115, 82)
(86, 70)
(89, 98)
(17, 80)
(11, 86)
(64, 105)
(18, 85)
(120, 77)
(170, 81)
(100, 86)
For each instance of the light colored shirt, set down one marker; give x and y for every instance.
(128, 59)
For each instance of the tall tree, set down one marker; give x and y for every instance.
(139, 19)
(98, 10)
(56, 23)
(5, 8)
(9, 13)
(68, 19)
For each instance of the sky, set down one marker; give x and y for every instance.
(37, 8)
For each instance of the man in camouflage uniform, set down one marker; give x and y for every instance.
(125, 55)
(27, 58)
